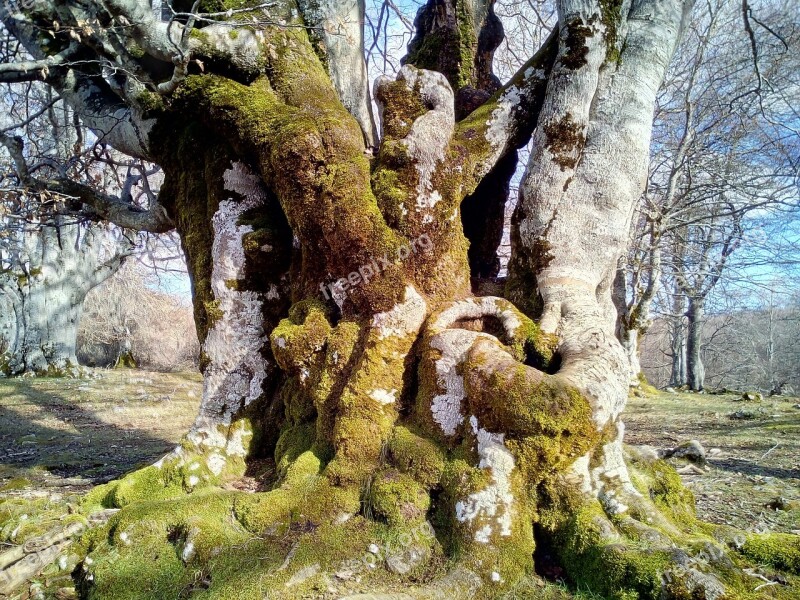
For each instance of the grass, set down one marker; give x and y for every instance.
(53, 431)
(750, 462)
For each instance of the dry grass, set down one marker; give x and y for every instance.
(55, 430)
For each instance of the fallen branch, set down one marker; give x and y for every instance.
(23, 562)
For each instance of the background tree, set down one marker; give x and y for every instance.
(50, 259)
(333, 298)
(45, 273)
(722, 153)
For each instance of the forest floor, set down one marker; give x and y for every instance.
(752, 449)
(73, 433)
(60, 437)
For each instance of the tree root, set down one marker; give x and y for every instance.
(462, 494)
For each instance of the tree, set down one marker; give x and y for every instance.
(332, 293)
(722, 151)
(45, 274)
(49, 261)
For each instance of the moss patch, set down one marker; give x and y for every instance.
(778, 550)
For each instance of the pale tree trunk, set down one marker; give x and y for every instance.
(59, 264)
(678, 376)
(9, 307)
(709, 246)
(630, 343)
(587, 170)
(633, 315)
(695, 371)
(677, 338)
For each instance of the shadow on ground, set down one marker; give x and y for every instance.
(96, 429)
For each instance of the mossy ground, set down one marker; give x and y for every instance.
(233, 548)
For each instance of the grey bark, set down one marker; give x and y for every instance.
(587, 170)
(677, 334)
(56, 265)
(695, 371)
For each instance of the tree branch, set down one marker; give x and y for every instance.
(98, 205)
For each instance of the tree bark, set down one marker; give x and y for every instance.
(695, 371)
(630, 343)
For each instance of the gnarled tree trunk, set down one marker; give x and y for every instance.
(444, 434)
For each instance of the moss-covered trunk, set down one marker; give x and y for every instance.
(423, 439)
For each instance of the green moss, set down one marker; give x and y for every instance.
(416, 456)
(397, 498)
(135, 50)
(150, 102)
(449, 49)
(663, 484)
(611, 17)
(184, 472)
(214, 312)
(289, 119)
(645, 385)
(99, 497)
(306, 465)
(296, 339)
(548, 424)
(778, 550)
(528, 343)
(294, 441)
(125, 361)
(392, 193)
(510, 556)
(613, 568)
(467, 44)
(17, 483)
(144, 485)
(145, 550)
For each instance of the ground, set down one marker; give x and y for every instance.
(752, 461)
(57, 432)
(60, 437)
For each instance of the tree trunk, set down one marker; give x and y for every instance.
(630, 344)
(677, 337)
(695, 370)
(632, 321)
(446, 437)
(678, 376)
(48, 325)
(63, 263)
